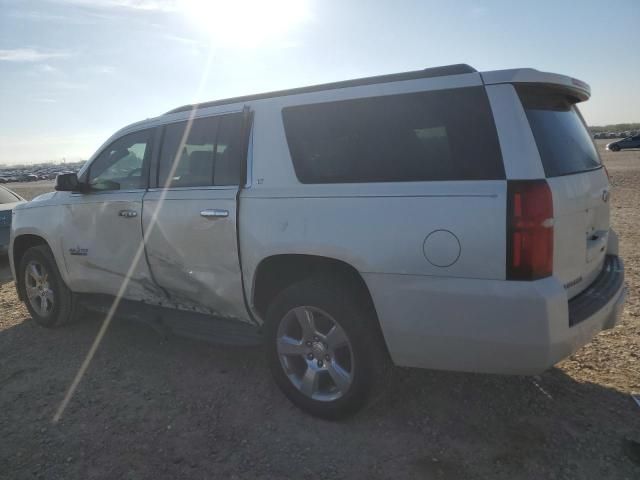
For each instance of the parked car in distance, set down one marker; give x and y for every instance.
(628, 142)
(443, 218)
(8, 201)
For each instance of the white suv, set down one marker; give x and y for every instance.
(444, 218)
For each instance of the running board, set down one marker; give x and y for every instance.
(165, 321)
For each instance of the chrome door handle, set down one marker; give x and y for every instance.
(214, 213)
(128, 213)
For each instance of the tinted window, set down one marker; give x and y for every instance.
(120, 165)
(229, 151)
(205, 153)
(440, 135)
(562, 137)
(7, 197)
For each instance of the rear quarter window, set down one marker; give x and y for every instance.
(564, 143)
(426, 136)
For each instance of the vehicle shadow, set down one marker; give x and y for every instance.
(152, 406)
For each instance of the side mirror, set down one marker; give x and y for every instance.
(68, 182)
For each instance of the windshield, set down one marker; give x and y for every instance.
(562, 137)
(7, 197)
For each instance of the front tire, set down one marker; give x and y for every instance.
(615, 148)
(48, 299)
(321, 347)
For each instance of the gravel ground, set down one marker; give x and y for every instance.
(29, 190)
(151, 407)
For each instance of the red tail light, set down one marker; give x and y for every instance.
(529, 230)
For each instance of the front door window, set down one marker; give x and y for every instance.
(121, 165)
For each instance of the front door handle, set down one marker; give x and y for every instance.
(128, 213)
(214, 214)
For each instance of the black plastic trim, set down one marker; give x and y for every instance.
(599, 293)
(166, 320)
(457, 69)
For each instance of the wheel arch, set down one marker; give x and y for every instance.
(275, 273)
(20, 245)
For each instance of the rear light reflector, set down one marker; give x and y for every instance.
(529, 230)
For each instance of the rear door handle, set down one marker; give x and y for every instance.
(214, 214)
(128, 213)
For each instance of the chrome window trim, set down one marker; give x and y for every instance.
(203, 187)
(107, 192)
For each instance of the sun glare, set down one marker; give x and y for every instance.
(245, 23)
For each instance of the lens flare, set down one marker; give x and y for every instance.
(245, 23)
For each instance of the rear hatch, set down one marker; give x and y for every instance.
(579, 184)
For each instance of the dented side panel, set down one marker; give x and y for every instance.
(100, 245)
(194, 258)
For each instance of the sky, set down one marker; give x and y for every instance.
(72, 72)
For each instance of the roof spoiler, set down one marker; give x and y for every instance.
(530, 76)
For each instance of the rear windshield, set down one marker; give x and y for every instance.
(426, 136)
(562, 137)
(7, 197)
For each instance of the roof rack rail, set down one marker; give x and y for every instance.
(446, 70)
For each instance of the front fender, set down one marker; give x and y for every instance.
(46, 223)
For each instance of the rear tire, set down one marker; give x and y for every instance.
(46, 296)
(322, 347)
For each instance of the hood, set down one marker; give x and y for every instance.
(9, 206)
(43, 197)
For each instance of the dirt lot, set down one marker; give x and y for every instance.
(29, 190)
(151, 407)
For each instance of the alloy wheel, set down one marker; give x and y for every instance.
(315, 353)
(38, 289)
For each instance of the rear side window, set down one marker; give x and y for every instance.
(562, 137)
(439, 135)
(207, 152)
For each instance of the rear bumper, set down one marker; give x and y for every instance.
(488, 326)
(604, 288)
